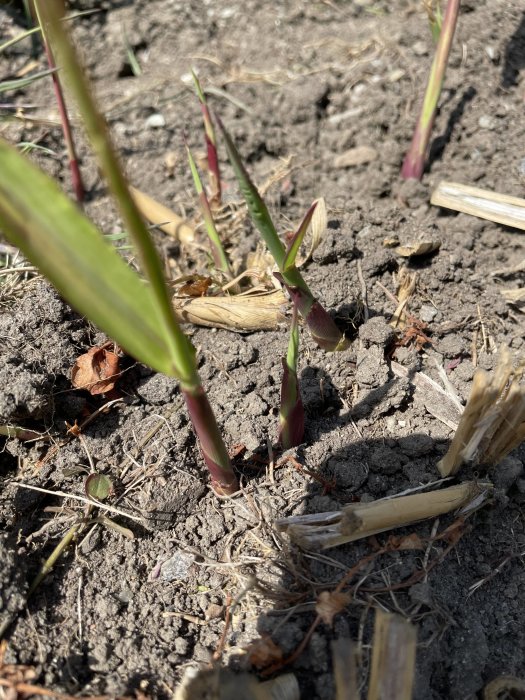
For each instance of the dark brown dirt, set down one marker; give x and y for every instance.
(309, 80)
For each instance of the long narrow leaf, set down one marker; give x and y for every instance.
(256, 206)
(182, 355)
(211, 145)
(293, 249)
(217, 251)
(52, 233)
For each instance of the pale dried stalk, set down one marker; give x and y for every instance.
(199, 683)
(163, 217)
(325, 530)
(493, 422)
(513, 295)
(501, 208)
(393, 658)
(344, 654)
(240, 313)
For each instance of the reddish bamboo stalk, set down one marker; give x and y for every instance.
(414, 163)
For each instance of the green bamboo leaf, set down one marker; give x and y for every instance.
(52, 233)
(219, 256)
(255, 203)
(291, 254)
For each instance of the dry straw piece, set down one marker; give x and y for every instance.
(241, 313)
(501, 208)
(223, 684)
(393, 658)
(493, 422)
(163, 217)
(324, 530)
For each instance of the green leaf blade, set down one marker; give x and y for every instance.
(293, 249)
(52, 233)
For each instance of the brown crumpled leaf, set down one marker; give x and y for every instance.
(412, 541)
(264, 652)
(417, 248)
(330, 604)
(96, 371)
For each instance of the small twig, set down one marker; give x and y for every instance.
(76, 175)
(222, 641)
(364, 293)
(89, 501)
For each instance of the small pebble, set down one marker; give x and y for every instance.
(427, 313)
(420, 48)
(492, 53)
(487, 122)
(155, 121)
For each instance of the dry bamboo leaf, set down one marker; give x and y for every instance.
(393, 658)
(418, 248)
(493, 422)
(318, 227)
(324, 530)
(163, 217)
(501, 208)
(360, 155)
(240, 313)
(96, 371)
(513, 295)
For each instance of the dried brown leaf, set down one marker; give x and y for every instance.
(417, 248)
(96, 371)
(264, 651)
(329, 604)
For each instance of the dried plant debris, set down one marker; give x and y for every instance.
(358, 520)
(493, 422)
(513, 296)
(241, 313)
(96, 371)
(393, 657)
(162, 217)
(418, 248)
(223, 684)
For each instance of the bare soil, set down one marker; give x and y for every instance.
(306, 81)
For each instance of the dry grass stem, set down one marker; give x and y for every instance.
(163, 217)
(514, 295)
(437, 401)
(406, 282)
(493, 422)
(325, 530)
(501, 208)
(393, 658)
(241, 313)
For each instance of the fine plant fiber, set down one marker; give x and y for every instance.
(493, 422)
